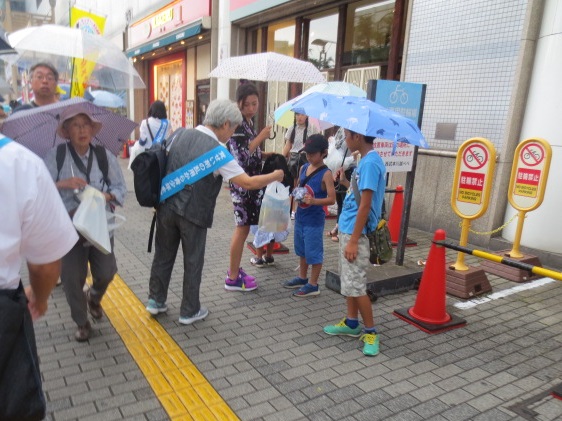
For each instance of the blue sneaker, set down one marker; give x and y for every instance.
(201, 314)
(371, 347)
(307, 290)
(155, 308)
(296, 282)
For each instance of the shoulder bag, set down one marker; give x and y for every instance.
(380, 245)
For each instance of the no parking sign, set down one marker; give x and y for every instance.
(529, 173)
(476, 160)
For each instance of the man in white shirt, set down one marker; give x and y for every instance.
(35, 227)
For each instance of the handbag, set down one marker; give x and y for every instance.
(380, 245)
(21, 392)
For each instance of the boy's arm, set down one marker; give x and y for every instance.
(350, 252)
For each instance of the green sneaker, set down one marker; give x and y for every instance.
(371, 347)
(342, 329)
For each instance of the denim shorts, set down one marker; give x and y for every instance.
(309, 243)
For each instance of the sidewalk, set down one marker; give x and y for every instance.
(265, 354)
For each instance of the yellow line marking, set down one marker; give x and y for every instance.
(180, 387)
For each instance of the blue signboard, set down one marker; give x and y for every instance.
(405, 98)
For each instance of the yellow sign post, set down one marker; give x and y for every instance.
(527, 184)
(474, 168)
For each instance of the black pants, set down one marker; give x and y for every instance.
(21, 392)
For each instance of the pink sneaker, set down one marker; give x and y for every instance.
(241, 283)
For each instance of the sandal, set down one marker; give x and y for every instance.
(335, 238)
(333, 233)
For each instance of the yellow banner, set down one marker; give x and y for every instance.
(82, 69)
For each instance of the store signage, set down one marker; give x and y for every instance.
(167, 20)
(407, 99)
(474, 169)
(529, 173)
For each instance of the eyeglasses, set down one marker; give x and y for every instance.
(41, 77)
(80, 126)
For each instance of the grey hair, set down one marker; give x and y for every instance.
(220, 111)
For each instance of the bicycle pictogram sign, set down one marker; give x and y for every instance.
(475, 156)
(532, 154)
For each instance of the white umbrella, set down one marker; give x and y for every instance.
(58, 44)
(268, 67)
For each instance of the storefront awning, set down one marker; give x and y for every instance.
(184, 33)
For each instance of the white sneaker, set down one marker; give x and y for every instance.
(201, 314)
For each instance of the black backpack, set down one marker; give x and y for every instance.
(149, 169)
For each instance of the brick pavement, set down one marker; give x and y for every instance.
(266, 355)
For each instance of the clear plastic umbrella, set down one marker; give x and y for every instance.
(59, 44)
(268, 67)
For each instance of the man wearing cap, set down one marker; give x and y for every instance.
(44, 84)
(81, 167)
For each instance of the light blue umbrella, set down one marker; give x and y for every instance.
(285, 117)
(361, 116)
(106, 99)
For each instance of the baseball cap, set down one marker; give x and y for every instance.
(315, 143)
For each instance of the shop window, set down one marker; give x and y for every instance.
(322, 41)
(281, 38)
(367, 35)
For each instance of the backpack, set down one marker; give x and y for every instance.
(149, 169)
(101, 156)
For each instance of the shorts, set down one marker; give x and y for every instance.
(353, 276)
(309, 243)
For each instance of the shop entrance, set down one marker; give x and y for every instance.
(167, 77)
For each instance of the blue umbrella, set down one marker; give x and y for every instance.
(361, 116)
(106, 99)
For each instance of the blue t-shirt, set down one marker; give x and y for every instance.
(370, 175)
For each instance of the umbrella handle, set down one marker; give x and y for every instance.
(274, 135)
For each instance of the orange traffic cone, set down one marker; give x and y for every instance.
(125, 153)
(428, 313)
(395, 219)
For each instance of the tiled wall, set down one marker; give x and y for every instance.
(466, 52)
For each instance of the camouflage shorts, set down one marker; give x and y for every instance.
(353, 276)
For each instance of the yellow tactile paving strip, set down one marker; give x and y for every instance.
(183, 391)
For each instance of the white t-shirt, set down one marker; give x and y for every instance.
(155, 124)
(35, 225)
(299, 134)
(230, 169)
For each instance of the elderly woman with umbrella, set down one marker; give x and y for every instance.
(73, 165)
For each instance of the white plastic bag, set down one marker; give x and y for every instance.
(275, 209)
(90, 219)
(134, 151)
(334, 158)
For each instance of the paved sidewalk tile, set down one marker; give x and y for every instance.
(266, 355)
